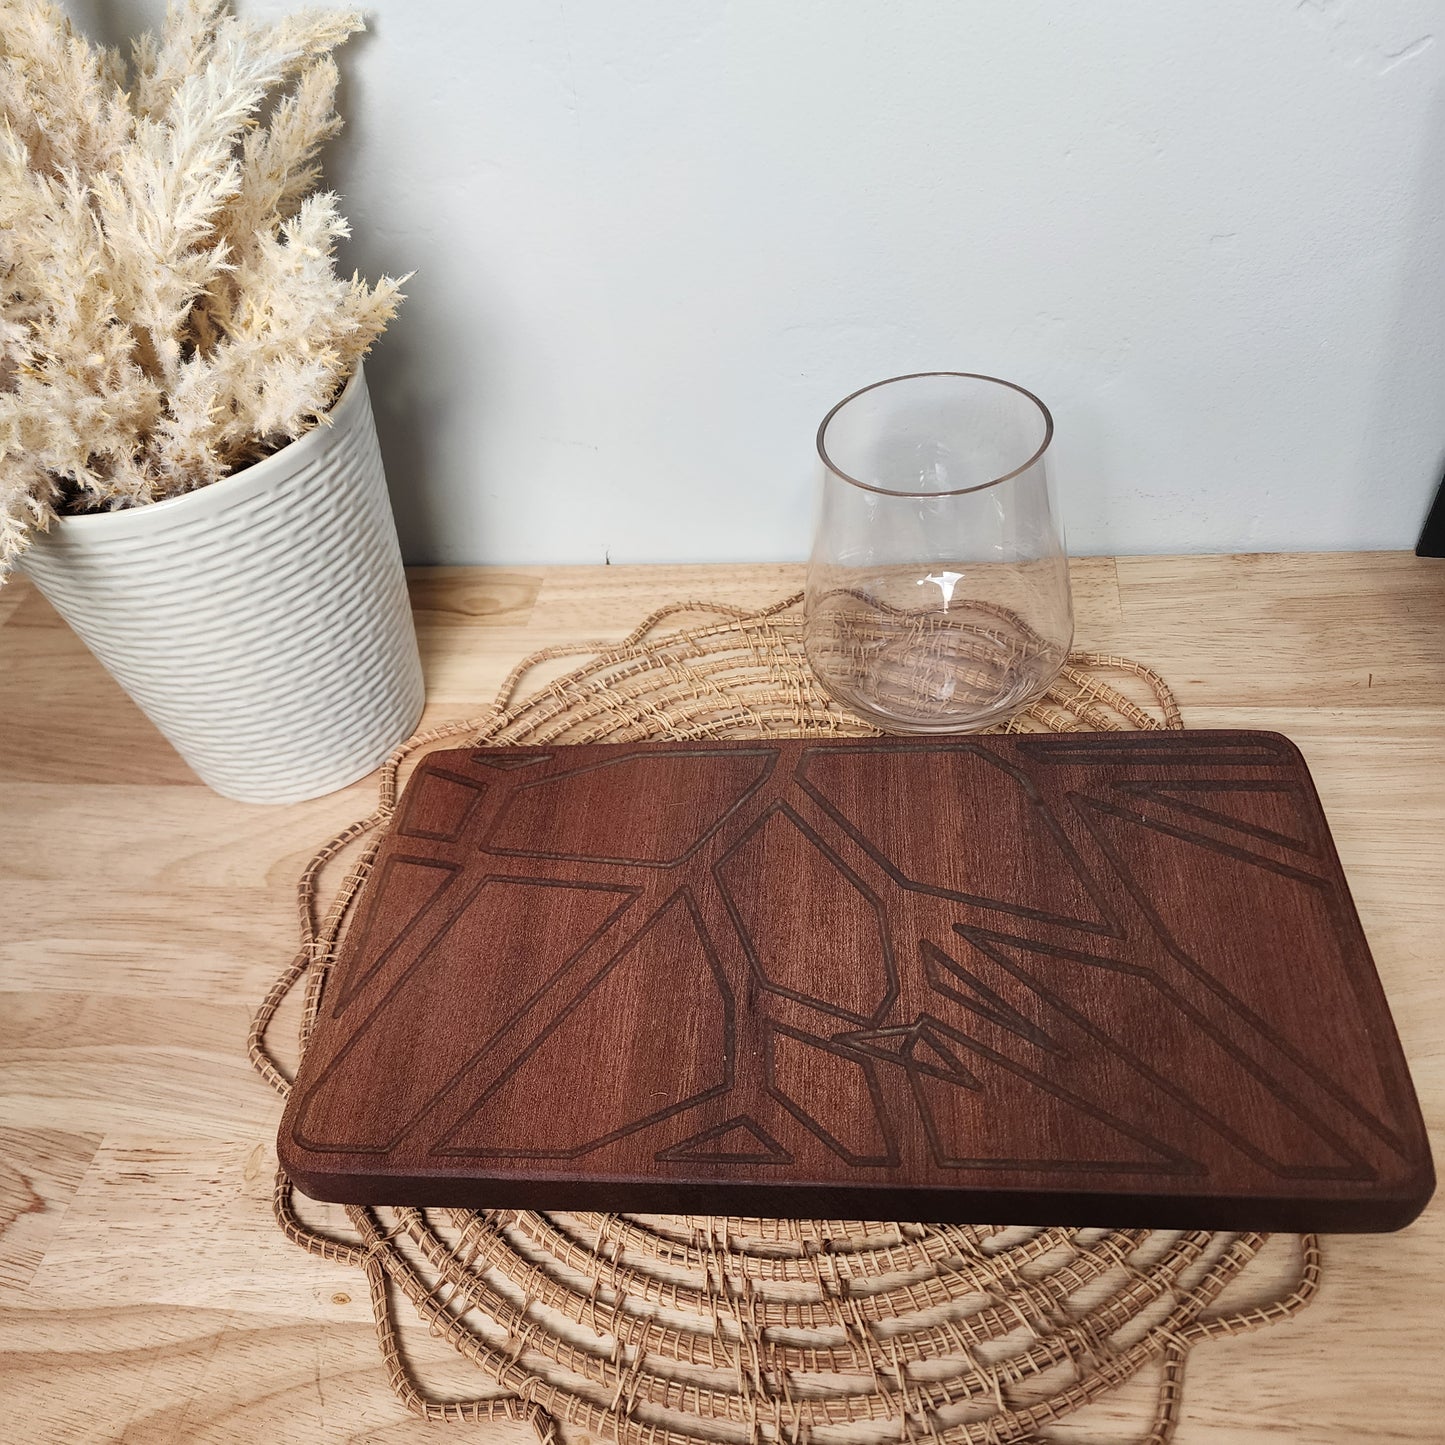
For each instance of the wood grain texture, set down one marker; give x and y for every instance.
(140, 916)
(40, 1170)
(1087, 980)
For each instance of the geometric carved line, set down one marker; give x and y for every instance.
(890, 1155)
(1173, 757)
(766, 758)
(993, 945)
(950, 978)
(1083, 805)
(735, 904)
(1126, 749)
(430, 790)
(739, 1140)
(1167, 796)
(684, 898)
(354, 979)
(1167, 1160)
(1201, 840)
(915, 1047)
(491, 759)
(440, 929)
(1108, 929)
(1045, 813)
(905, 1046)
(1347, 922)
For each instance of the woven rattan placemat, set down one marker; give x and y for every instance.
(674, 1330)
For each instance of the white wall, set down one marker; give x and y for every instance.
(656, 239)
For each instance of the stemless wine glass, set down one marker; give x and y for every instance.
(938, 589)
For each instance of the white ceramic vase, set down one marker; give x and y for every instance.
(262, 622)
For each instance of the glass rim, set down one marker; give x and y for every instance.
(853, 481)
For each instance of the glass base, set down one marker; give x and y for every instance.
(929, 672)
(911, 725)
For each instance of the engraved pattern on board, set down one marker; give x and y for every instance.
(853, 987)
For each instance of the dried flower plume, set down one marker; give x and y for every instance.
(169, 304)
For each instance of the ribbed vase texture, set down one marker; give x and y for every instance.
(262, 623)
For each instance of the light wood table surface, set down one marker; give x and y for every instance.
(145, 1292)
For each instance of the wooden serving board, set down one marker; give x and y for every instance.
(1090, 979)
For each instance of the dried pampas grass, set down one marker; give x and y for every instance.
(169, 304)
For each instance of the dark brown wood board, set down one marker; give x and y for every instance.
(1090, 979)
